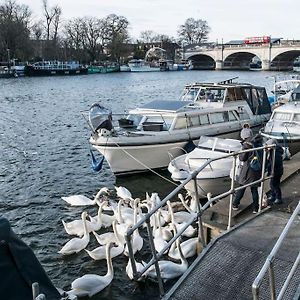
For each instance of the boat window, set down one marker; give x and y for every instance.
(234, 94)
(232, 116)
(180, 123)
(190, 94)
(135, 118)
(242, 114)
(296, 117)
(213, 94)
(194, 121)
(226, 116)
(204, 119)
(167, 121)
(216, 118)
(280, 116)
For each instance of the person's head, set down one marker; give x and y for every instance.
(246, 125)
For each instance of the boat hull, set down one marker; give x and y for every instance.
(136, 158)
(215, 186)
(31, 71)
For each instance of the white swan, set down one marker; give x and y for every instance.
(169, 269)
(158, 237)
(136, 240)
(123, 193)
(139, 268)
(91, 284)
(106, 220)
(189, 248)
(189, 231)
(99, 252)
(76, 227)
(77, 244)
(81, 200)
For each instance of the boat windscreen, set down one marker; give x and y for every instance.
(165, 105)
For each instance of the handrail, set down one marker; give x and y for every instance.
(269, 264)
(195, 216)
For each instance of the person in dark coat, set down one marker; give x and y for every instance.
(276, 196)
(247, 174)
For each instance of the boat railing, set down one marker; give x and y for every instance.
(197, 216)
(270, 261)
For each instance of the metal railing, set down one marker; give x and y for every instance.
(269, 265)
(194, 217)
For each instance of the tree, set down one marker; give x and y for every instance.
(193, 31)
(14, 30)
(147, 36)
(115, 33)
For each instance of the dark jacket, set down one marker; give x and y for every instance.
(247, 175)
(278, 165)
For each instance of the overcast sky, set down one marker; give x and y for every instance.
(228, 19)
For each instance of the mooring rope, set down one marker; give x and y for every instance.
(148, 168)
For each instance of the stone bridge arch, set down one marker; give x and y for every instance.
(284, 61)
(238, 60)
(202, 62)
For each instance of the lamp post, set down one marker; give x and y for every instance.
(8, 58)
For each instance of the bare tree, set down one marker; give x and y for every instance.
(52, 15)
(193, 31)
(115, 30)
(14, 30)
(148, 36)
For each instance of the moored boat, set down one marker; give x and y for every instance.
(214, 178)
(52, 68)
(149, 135)
(140, 65)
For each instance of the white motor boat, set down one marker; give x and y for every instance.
(286, 90)
(284, 126)
(214, 178)
(151, 135)
(140, 65)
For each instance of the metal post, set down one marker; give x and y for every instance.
(152, 247)
(261, 192)
(8, 59)
(272, 281)
(131, 255)
(231, 195)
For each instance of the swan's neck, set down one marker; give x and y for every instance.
(100, 214)
(121, 220)
(116, 233)
(171, 212)
(86, 233)
(185, 205)
(110, 270)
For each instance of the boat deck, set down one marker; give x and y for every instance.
(227, 269)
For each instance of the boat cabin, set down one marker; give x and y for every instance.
(207, 93)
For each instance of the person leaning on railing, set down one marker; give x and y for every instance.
(275, 193)
(248, 174)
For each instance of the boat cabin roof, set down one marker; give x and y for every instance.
(219, 144)
(164, 105)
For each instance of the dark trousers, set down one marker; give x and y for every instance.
(275, 188)
(240, 193)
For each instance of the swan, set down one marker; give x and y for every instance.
(123, 193)
(189, 231)
(169, 269)
(193, 208)
(106, 220)
(139, 268)
(100, 252)
(81, 200)
(91, 284)
(158, 238)
(136, 240)
(76, 227)
(77, 244)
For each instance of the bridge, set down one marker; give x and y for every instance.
(278, 56)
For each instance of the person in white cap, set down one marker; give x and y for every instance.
(246, 132)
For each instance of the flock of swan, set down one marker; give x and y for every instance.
(120, 216)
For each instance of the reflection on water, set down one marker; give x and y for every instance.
(45, 155)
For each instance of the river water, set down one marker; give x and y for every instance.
(44, 155)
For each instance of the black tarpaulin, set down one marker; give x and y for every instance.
(19, 268)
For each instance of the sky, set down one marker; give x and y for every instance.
(228, 19)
